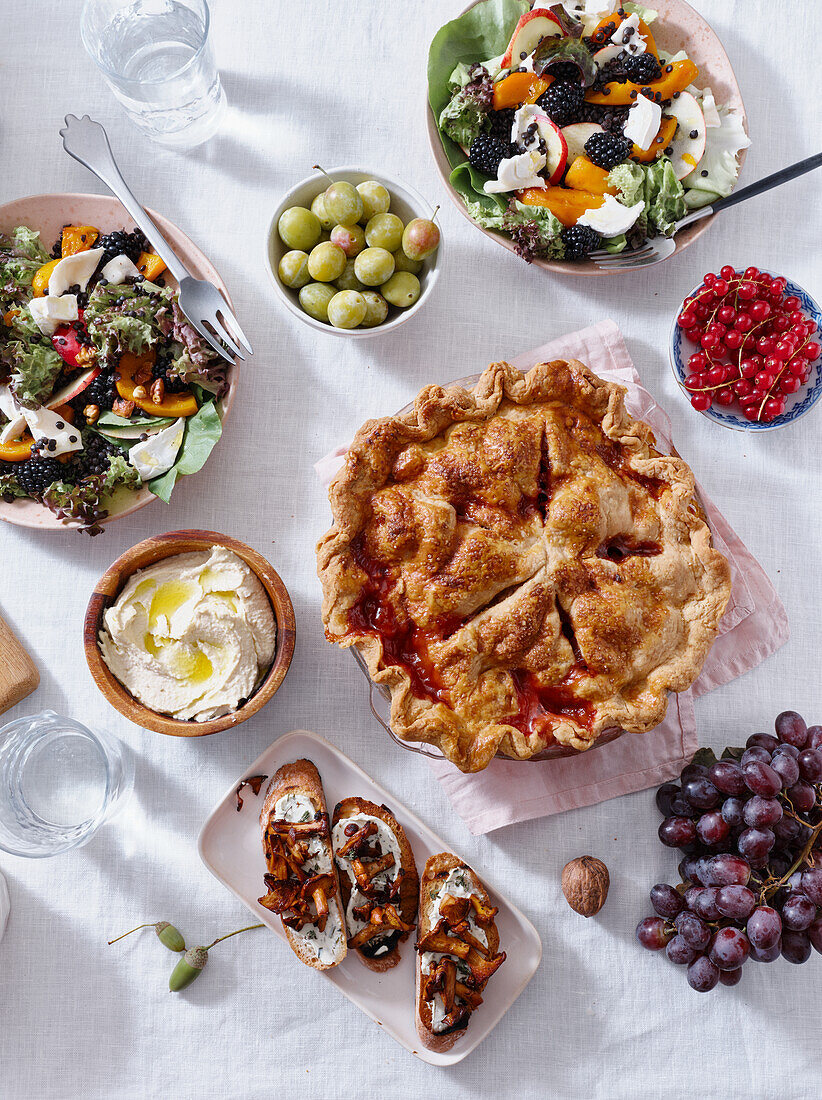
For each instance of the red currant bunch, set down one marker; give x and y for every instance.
(755, 345)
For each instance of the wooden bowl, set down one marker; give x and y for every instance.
(147, 553)
(49, 213)
(679, 27)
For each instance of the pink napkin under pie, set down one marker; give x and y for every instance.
(754, 626)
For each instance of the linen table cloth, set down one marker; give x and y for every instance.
(341, 84)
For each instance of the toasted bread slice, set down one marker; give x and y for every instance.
(397, 888)
(317, 947)
(440, 870)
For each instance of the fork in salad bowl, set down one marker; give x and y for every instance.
(204, 307)
(659, 248)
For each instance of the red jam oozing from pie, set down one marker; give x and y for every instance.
(616, 460)
(541, 708)
(620, 548)
(404, 645)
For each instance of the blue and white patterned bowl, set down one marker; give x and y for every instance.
(797, 404)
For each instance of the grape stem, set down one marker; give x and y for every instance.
(768, 893)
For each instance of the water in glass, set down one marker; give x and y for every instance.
(158, 60)
(58, 783)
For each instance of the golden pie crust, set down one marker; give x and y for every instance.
(519, 565)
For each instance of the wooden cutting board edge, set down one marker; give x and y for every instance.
(18, 672)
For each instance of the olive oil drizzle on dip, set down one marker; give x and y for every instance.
(192, 635)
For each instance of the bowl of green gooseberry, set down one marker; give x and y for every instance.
(353, 252)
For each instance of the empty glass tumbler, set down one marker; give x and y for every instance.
(157, 58)
(58, 783)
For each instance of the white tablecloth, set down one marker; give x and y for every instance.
(344, 83)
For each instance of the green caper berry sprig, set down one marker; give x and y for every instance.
(191, 965)
(167, 934)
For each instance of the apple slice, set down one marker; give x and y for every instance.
(528, 33)
(556, 148)
(576, 135)
(73, 388)
(689, 141)
(17, 422)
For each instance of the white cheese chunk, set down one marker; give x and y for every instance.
(119, 269)
(10, 408)
(47, 424)
(525, 117)
(516, 173)
(712, 119)
(75, 270)
(612, 218)
(157, 454)
(50, 312)
(642, 124)
(627, 29)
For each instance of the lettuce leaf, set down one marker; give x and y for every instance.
(629, 180)
(647, 15)
(201, 434)
(109, 321)
(27, 243)
(534, 229)
(83, 504)
(719, 160)
(482, 31)
(615, 245)
(30, 359)
(21, 254)
(664, 196)
(466, 115)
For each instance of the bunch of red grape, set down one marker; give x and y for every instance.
(756, 343)
(749, 826)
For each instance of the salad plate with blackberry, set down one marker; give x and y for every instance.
(107, 395)
(588, 124)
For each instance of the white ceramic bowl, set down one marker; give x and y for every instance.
(405, 202)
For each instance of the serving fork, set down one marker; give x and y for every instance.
(659, 248)
(203, 305)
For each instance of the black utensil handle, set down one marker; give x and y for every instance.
(758, 188)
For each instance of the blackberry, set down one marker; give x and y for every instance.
(94, 457)
(121, 243)
(35, 475)
(642, 68)
(101, 392)
(172, 382)
(486, 152)
(563, 102)
(501, 123)
(579, 240)
(607, 150)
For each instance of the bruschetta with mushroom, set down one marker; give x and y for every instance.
(302, 883)
(378, 880)
(458, 949)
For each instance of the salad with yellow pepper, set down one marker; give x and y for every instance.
(570, 130)
(104, 386)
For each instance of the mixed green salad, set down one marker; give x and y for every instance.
(104, 385)
(569, 130)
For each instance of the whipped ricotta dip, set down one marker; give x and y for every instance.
(191, 636)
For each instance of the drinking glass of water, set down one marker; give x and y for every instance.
(58, 783)
(157, 58)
